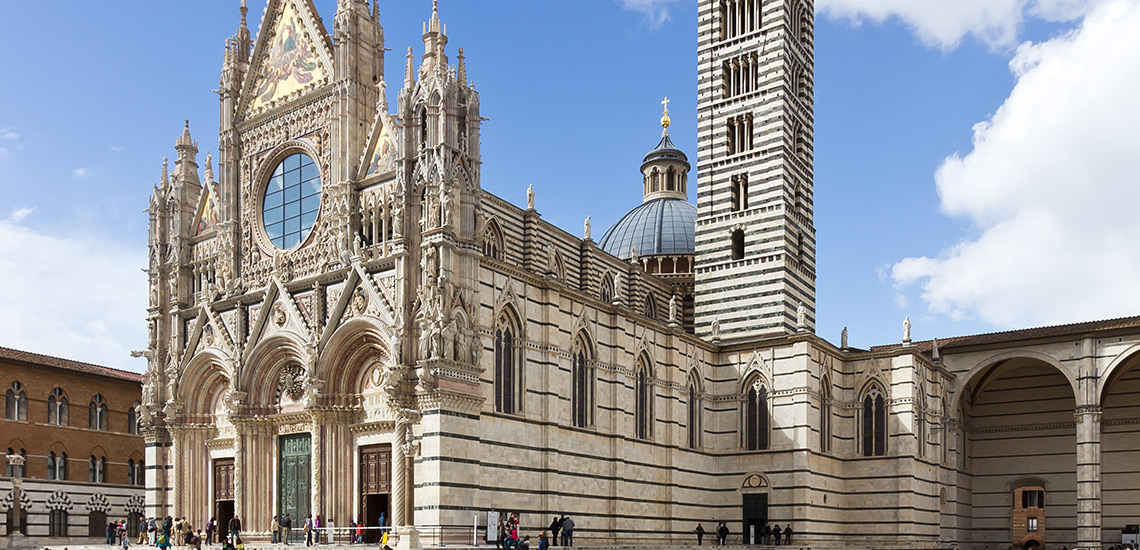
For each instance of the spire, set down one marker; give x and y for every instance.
(165, 171)
(409, 71)
(435, 40)
(209, 167)
(665, 118)
(186, 165)
(242, 43)
(462, 68)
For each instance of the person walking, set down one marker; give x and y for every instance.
(555, 527)
(700, 531)
(308, 529)
(210, 527)
(568, 531)
(788, 534)
(721, 534)
(142, 532)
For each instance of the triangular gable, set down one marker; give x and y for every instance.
(380, 152)
(207, 211)
(292, 56)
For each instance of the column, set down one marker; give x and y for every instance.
(239, 471)
(316, 467)
(1088, 476)
(398, 472)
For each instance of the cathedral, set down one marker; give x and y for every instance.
(343, 323)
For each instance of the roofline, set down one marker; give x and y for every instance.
(1033, 333)
(41, 360)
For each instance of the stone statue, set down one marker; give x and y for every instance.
(716, 329)
(673, 309)
(476, 348)
(801, 317)
(445, 207)
(934, 353)
(906, 330)
(843, 338)
(551, 259)
(586, 229)
(397, 217)
(530, 197)
(633, 259)
(617, 288)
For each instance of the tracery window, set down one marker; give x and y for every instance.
(694, 405)
(131, 471)
(582, 377)
(508, 363)
(97, 413)
(57, 408)
(650, 307)
(133, 419)
(739, 193)
(51, 462)
(920, 421)
(16, 404)
(607, 290)
(756, 416)
(874, 423)
(492, 241)
(140, 473)
(645, 393)
(92, 467)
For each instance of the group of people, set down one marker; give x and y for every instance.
(508, 531)
(282, 529)
(767, 535)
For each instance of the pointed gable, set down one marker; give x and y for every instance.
(380, 154)
(207, 212)
(292, 56)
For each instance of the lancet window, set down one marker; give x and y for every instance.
(16, 403)
(644, 394)
(756, 415)
(582, 374)
(874, 423)
(508, 365)
(57, 408)
(739, 131)
(738, 17)
(97, 413)
(694, 426)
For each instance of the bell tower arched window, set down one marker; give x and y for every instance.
(756, 416)
(508, 365)
(738, 244)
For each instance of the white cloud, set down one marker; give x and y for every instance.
(20, 214)
(944, 23)
(5, 152)
(656, 11)
(81, 298)
(1050, 186)
(118, 149)
(8, 133)
(80, 172)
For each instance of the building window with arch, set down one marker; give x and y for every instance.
(738, 244)
(492, 241)
(508, 363)
(582, 376)
(756, 416)
(57, 522)
(133, 419)
(140, 473)
(607, 290)
(650, 307)
(12, 470)
(97, 469)
(131, 472)
(739, 193)
(643, 412)
(97, 413)
(874, 423)
(825, 415)
(57, 408)
(920, 422)
(16, 404)
(694, 424)
(51, 461)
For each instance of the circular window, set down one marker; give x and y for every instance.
(292, 199)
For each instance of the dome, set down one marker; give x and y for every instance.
(658, 226)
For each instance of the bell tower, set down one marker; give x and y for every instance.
(755, 238)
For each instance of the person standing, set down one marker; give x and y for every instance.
(568, 531)
(788, 534)
(276, 528)
(211, 526)
(308, 529)
(111, 528)
(287, 528)
(543, 544)
(721, 534)
(555, 527)
(235, 527)
(766, 534)
(776, 532)
(700, 531)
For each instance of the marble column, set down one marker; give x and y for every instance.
(1088, 476)
(398, 471)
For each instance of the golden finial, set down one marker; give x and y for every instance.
(665, 115)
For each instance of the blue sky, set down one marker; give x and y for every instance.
(975, 161)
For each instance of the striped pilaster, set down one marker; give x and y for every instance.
(755, 126)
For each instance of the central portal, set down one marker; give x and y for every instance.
(295, 476)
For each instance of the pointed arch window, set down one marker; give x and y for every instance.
(650, 307)
(92, 466)
(825, 415)
(423, 127)
(492, 241)
(607, 290)
(140, 473)
(694, 424)
(51, 464)
(644, 391)
(582, 377)
(16, 403)
(874, 424)
(97, 413)
(57, 408)
(920, 421)
(508, 365)
(131, 471)
(756, 416)
(133, 419)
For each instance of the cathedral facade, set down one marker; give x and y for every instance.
(344, 323)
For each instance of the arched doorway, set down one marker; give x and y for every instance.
(1017, 423)
(754, 507)
(1119, 453)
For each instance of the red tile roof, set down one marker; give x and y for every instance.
(1022, 334)
(67, 364)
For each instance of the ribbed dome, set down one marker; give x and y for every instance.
(659, 226)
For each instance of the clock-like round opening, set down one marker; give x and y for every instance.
(292, 199)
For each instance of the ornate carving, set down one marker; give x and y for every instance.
(291, 382)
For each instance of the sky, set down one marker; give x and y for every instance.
(976, 161)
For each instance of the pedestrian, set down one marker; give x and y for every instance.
(543, 544)
(360, 532)
(286, 528)
(152, 531)
(238, 544)
(317, 523)
(525, 544)
(142, 531)
(275, 527)
(210, 526)
(124, 540)
(567, 531)
(308, 529)
(700, 531)
(111, 528)
(788, 534)
(235, 528)
(721, 534)
(555, 527)
(776, 532)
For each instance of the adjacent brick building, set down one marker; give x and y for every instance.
(76, 425)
